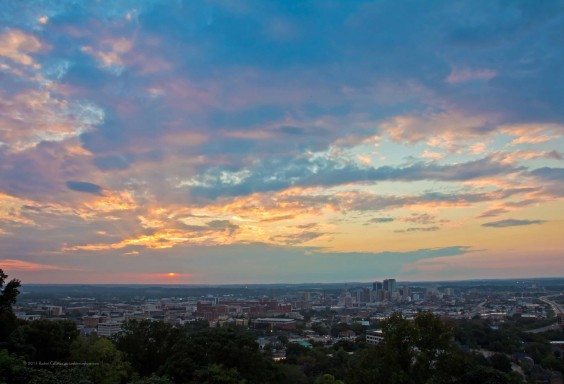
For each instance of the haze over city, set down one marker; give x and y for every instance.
(265, 142)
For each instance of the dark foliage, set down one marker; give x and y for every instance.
(8, 294)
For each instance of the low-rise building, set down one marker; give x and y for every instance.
(275, 322)
(109, 328)
(374, 337)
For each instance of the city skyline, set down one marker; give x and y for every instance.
(239, 142)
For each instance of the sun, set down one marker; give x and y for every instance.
(172, 274)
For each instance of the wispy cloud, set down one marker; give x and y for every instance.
(21, 265)
(272, 176)
(511, 223)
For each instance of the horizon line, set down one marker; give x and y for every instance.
(287, 283)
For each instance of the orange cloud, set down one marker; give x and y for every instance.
(20, 265)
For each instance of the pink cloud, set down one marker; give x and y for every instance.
(33, 116)
(464, 75)
(532, 133)
(440, 130)
(17, 46)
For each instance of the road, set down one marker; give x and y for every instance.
(554, 305)
(478, 309)
(557, 310)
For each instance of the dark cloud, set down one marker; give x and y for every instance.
(547, 173)
(551, 179)
(85, 187)
(381, 220)
(511, 223)
(419, 229)
(223, 225)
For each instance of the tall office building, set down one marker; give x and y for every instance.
(365, 295)
(405, 292)
(377, 285)
(390, 285)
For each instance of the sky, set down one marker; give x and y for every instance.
(193, 142)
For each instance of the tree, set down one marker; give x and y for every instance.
(218, 374)
(148, 345)
(151, 380)
(500, 362)
(8, 295)
(398, 348)
(44, 340)
(105, 364)
(291, 373)
(12, 369)
(421, 351)
(327, 379)
(433, 340)
(320, 329)
(232, 348)
(182, 353)
(338, 328)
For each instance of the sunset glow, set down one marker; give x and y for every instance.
(259, 142)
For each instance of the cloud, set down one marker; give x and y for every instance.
(532, 133)
(493, 212)
(432, 155)
(30, 117)
(164, 233)
(297, 238)
(366, 201)
(223, 225)
(418, 229)
(511, 223)
(548, 173)
(512, 157)
(110, 53)
(464, 75)
(444, 127)
(17, 46)
(419, 218)
(82, 186)
(21, 265)
(273, 175)
(381, 220)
